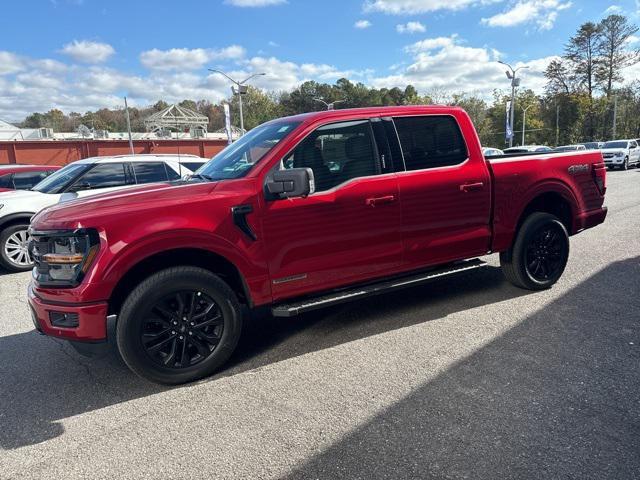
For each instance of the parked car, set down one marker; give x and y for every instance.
(23, 177)
(621, 154)
(491, 152)
(528, 149)
(593, 145)
(569, 148)
(267, 224)
(78, 180)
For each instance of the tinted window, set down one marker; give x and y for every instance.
(148, 172)
(336, 153)
(58, 181)
(5, 181)
(102, 176)
(27, 180)
(432, 141)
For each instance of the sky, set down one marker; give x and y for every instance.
(79, 55)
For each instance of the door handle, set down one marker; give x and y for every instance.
(372, 202)
(471, 187)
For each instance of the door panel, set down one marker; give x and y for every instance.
(349, 230)
(329, 239)
(445, 196)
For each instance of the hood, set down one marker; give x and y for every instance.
(613, 150)
(79, 213)
(19, 195)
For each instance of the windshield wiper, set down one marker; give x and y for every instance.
(201, 176)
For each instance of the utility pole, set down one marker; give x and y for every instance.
(515, 82)
(615, 114)
(524, 121)
(240, 89)
(126, 109)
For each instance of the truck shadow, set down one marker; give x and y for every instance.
(554, 397)
(43, 380)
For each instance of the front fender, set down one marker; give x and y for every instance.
(16, 216)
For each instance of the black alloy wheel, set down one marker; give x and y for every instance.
(182, 329)
(546, 253)
(179, 325)
(539, 253)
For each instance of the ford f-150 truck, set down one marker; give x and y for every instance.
(300, 213)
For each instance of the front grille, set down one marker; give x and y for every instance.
(608, 155)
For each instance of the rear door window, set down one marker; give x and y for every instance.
(430, 141)
(27, 180)
(149, 172)
(6, 181)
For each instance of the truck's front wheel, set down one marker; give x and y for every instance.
(539, 254)
(179, 325)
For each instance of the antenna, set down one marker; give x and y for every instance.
(126, 110)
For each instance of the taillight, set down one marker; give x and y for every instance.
(600, 177)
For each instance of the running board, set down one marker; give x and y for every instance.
(343, 296)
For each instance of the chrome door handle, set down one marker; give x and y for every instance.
(471, 187)
(372, 202)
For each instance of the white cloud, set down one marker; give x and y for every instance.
(254, 3)
(613, 9)
(188, 59)
(447, 63)
(411, 27)
(271, 43)
(362, 24)
(411, 7)
(543, 12)
(10, 63)
(88, 52)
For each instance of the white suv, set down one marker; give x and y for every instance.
(621, 153)
(80, 179)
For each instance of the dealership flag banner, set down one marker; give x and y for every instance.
(227, 123)
(508, 131)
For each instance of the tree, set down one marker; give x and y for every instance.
(614, 33)
(581, 52)
(558, 78)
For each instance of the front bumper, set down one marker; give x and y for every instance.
(613, 161)
(92, 319)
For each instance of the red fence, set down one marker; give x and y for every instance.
(61, 152)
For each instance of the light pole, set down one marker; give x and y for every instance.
(240, 89)
(515, 82)
(330, 106)
(524, 121)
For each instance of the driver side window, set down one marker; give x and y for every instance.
(336, 153)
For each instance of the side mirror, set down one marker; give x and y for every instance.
(294, 182)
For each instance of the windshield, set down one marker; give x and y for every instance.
(615, 145)
(55, 182)
(238, 158)
(567, 148)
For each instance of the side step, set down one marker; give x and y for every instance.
(343, 296)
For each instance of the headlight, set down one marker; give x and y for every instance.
(62, 258)
(619, 154)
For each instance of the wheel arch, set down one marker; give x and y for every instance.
(15, 219)
(181, 256)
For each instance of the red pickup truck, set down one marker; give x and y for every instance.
(300, 213)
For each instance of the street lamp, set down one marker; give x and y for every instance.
(330, 106)
(240, 89)
(515, 82)
(524, 121)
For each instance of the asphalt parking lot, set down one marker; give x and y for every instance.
(465, 378)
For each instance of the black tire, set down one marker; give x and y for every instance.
(6, 261)
(539, 253)
(137, 320)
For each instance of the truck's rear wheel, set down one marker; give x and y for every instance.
(14, 250)
(179, 325)
(539, 254)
